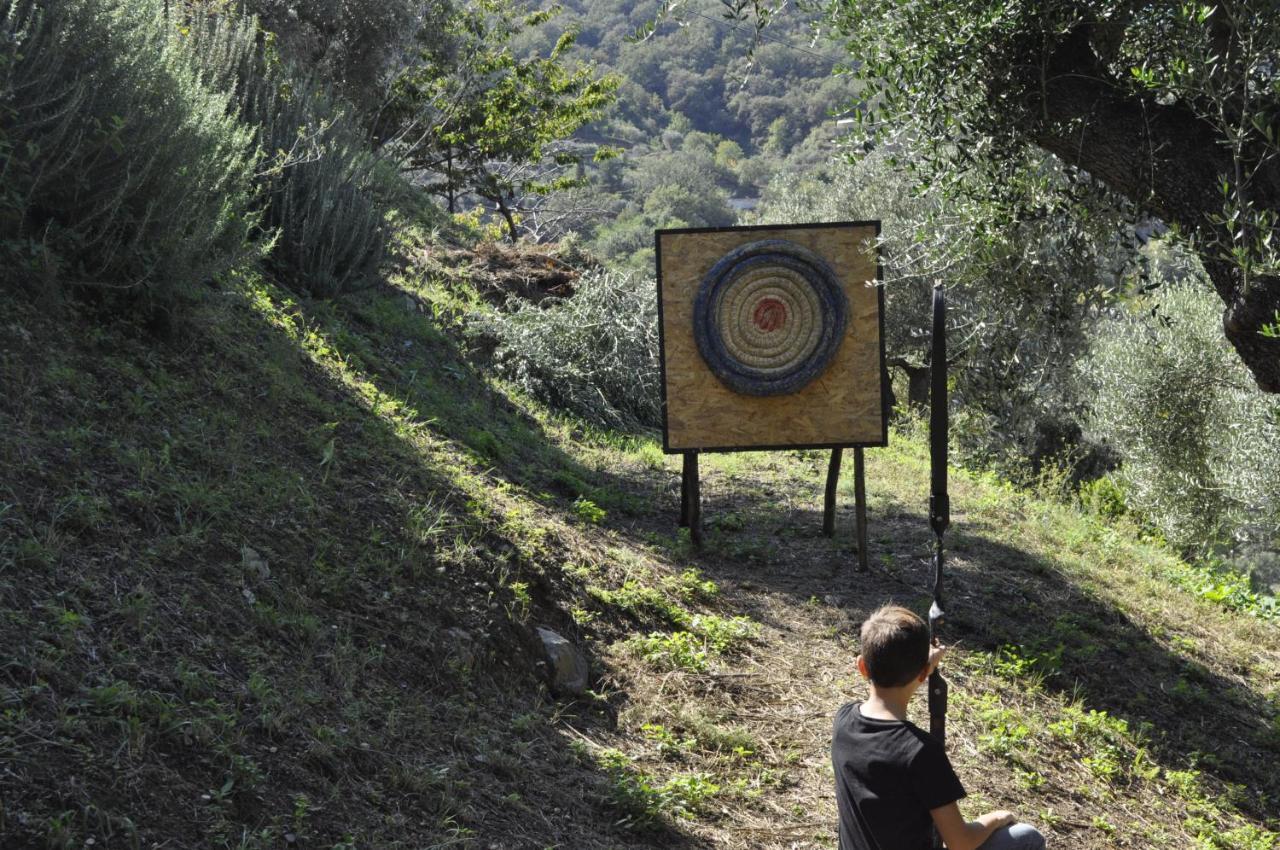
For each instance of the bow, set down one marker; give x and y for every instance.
(939, 507)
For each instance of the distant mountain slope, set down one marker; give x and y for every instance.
(717, 72)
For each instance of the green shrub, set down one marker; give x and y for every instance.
(639, 600)
(1104, 496)
(644, 800)
(321, 195)
(724, 635)
(1021, 288)
(674, 651)
(594, 353)
(1200, 444)
(125, 170)
(353, 44)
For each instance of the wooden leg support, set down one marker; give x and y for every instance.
(684, 493)
(829, 504)
(693, 500)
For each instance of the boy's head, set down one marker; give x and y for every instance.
(895, 647)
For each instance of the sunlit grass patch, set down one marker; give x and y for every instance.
(644, 799)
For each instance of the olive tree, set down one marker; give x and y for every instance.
(481, 120)
(1200, 444)
(1021, 291)
(1173, 106)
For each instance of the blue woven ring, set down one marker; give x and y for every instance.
(809, 267)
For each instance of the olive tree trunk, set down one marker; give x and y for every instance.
(1165, 158)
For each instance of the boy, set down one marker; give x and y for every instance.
(893, 780)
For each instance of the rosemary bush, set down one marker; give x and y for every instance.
(1200, 443)
(125, 169)
(321, 192)
(594, 353)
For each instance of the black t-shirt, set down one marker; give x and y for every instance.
(889, 775)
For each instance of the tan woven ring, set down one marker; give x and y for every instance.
(779, 350)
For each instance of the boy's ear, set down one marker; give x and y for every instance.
(862, 667)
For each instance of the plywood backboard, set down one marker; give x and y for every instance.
(844, 406)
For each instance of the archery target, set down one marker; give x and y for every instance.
(770, 337)
(769, 316)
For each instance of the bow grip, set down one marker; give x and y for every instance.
(938, 690)
(939, 512)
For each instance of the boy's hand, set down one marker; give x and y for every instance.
(999, 818)
(936, 652)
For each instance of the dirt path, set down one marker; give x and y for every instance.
(1074, 703)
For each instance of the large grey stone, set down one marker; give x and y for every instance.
(568, 665)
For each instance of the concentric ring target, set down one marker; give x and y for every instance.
(769, 317)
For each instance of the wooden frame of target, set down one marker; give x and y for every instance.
(772, 337)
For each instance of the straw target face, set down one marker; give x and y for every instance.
(769, 317)
(770, 337)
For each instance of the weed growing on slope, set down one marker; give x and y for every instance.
(674, 651)
(644, 799)
(722, 634)
(712, 735)
(588, 511)
(691, 586)
(708, 637)
(669, 744)
(1005, 734)
(640, 600)
(1026, 666)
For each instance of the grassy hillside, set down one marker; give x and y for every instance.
(277, 584)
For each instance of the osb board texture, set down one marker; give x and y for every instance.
(841, 406)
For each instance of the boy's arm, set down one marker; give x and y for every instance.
(958, 835)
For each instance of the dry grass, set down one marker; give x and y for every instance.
(1089, 695)
(158, 689)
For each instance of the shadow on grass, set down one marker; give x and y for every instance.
(998, 594)
(360, 669)
(517, 781)
(386, 335)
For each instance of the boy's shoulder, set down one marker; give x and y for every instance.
(891, 759)
(903, 738)
(850, 715)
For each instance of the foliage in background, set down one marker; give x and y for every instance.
(354, 45)
(1200, 443)
(765, 92)
(685, 186)
(594, 353)
(322, 192)
(707, 113)
(483, 120)
(1019, 293)
(1171, 106)
(125, 169)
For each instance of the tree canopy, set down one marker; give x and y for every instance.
(481, 117)
(1174, 107)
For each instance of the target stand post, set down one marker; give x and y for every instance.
(859, 496)
(684, 493)
(860, 505)
(829, 504)
(691, 499)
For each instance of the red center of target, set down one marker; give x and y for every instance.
(770, 314)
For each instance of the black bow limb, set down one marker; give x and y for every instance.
(939, 509)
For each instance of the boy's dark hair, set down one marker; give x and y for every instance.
(895, 645)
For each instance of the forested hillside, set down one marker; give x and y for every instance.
(334, 511)
(709, 111)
